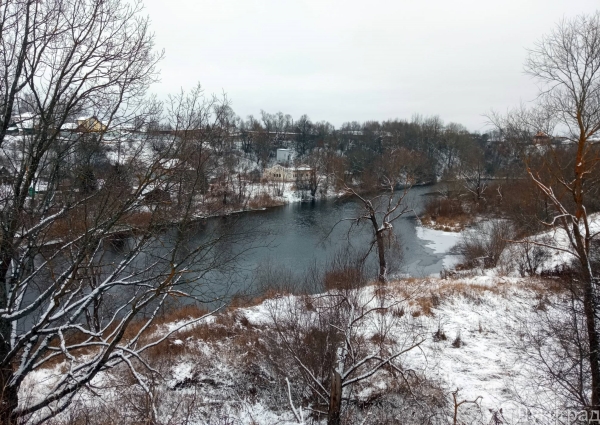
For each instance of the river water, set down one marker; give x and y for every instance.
(291, 239)
(279, 247)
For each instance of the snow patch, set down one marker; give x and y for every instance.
(438, 240)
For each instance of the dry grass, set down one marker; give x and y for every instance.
(425, 295)
(263, 200)
(188, 311)
(452, 289)
(231, 327)
(441, 290)
(237, 342)
(446, 214)
(548, 285)
(344, 279)
(424, 305)
(415, 296)
(242, 301)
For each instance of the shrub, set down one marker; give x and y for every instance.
(439, 335)
(531, 258)
(442, 207)
(343, 279)
(458, 342)
(484, 244)
(446, 214)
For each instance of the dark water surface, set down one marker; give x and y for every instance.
(292, 238)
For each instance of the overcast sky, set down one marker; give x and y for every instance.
(356, 60)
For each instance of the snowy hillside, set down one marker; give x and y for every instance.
(228, 370)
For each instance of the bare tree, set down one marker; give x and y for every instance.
(552, 347)
(382, 210)
(473, 175)
(566, 62)
(326, 343)
(276, 126)
(304, 139)
(91, 240)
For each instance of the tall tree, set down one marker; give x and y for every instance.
(304, 135)
(72, 280)
(566, 63)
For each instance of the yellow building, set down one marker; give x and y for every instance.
(90, 124)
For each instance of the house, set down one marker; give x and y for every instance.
(287, 174)
(68, 129)
(284, 155)
(69, 126)
(541, 138)
(90, 125)
(25, 123)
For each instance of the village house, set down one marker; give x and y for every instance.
(89, 125)
(287, 174)
(541, 138)
(25, 123)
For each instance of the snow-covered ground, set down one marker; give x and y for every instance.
(441, 242)
(558, 238)
(485, 313)
(557, 250)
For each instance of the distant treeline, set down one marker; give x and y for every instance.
(438, 150)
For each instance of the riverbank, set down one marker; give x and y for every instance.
(260, 196)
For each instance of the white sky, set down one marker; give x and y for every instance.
(356, 60)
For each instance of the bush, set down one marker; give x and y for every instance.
(442, 207)
(531, 258)
(446, 214)
(458, 342)
(483, 245)
(439, 335)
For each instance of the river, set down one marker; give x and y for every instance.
(291, 239)
(279, 247)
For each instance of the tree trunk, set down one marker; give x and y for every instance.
(379, 237)
(9, 400)
(590, 308)
(590, 290)
(382, 277)
(335, 400)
